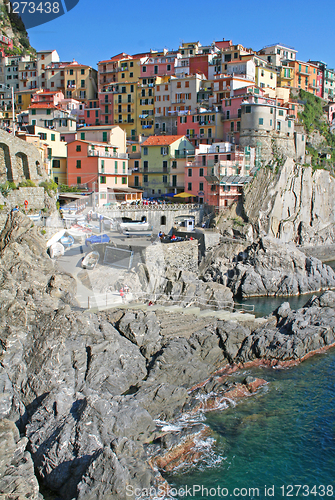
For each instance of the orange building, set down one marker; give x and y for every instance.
(305, 76)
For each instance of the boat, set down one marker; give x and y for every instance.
(134, 226)
(97, 238)
(35, 217)
(79, 232)
(56, 250)
(90, 260)
(144, 232)
(67, 241)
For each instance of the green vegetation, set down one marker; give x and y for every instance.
(6, 188)
(313, 119)
(27, 183)
(68, 189)
(49, 186)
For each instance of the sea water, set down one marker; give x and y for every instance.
(273, 441)
(278, 443)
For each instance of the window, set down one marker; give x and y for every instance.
(115, 167)
(55, 163)
(78, 165)
(163, 220)
(82, 72)
(278, 125)
(82, 136)
(53, 137)
(78, 148)
(115, 180)
(104, 136)
(102, 179)
(144, 69)
(228, 115)
(88, 114)
(165, 166)
(145, 150)
(201, 172)
(82, 83)
(289, 124)
(232, 126)
(78, 180)
(48, 111)
(260, 121)
(239, 113)
(33, 111)
(271, 111)
(71, 71)
(189, 172)
(248, 109)
(56, 180)
(201, 186)
(145, 178)
(96, 113)
(164, 179)
(168, 67)
(270, 123)
(124, 180)
(174, 164)
(189, 186)
(124, 167)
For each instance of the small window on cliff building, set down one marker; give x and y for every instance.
(163, 220)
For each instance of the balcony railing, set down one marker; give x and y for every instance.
(182, 154)
(107, 154)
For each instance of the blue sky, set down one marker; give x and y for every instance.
(97, 30)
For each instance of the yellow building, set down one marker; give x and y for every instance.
(54, 150)
(265, 76)
(80, 82)
(286, 77)
(23, 99)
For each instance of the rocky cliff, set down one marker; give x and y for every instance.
(295, 204)
(88, 392)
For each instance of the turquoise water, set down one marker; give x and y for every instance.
(280, 438)
(284, 435)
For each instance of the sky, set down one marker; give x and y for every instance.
(97, 30)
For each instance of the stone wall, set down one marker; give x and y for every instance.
(33, 195)
(267, 140)
(19, 160)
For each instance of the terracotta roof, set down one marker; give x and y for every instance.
(161, 140)
(118, 57)
(44, 105)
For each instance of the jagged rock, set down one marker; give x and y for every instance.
(85, 388)
(17, 477)
(271, 268)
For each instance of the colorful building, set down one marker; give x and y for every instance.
(163, 159)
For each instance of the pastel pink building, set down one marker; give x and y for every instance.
(159, 65)
(217, 174)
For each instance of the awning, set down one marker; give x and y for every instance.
(184, 195)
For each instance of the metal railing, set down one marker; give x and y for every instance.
(111, 299)
(105, 154)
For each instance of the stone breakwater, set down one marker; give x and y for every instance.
(107, 400)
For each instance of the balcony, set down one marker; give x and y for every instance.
(179, 101)
(107, 154)
(124, 101)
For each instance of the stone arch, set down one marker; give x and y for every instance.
(6, 173)
(22, 168)
(38, 168)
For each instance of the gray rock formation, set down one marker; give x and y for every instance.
(268, 267)
(85, 389)
(17, 478)
(295, 204)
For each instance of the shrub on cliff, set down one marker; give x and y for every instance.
(27, 183)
